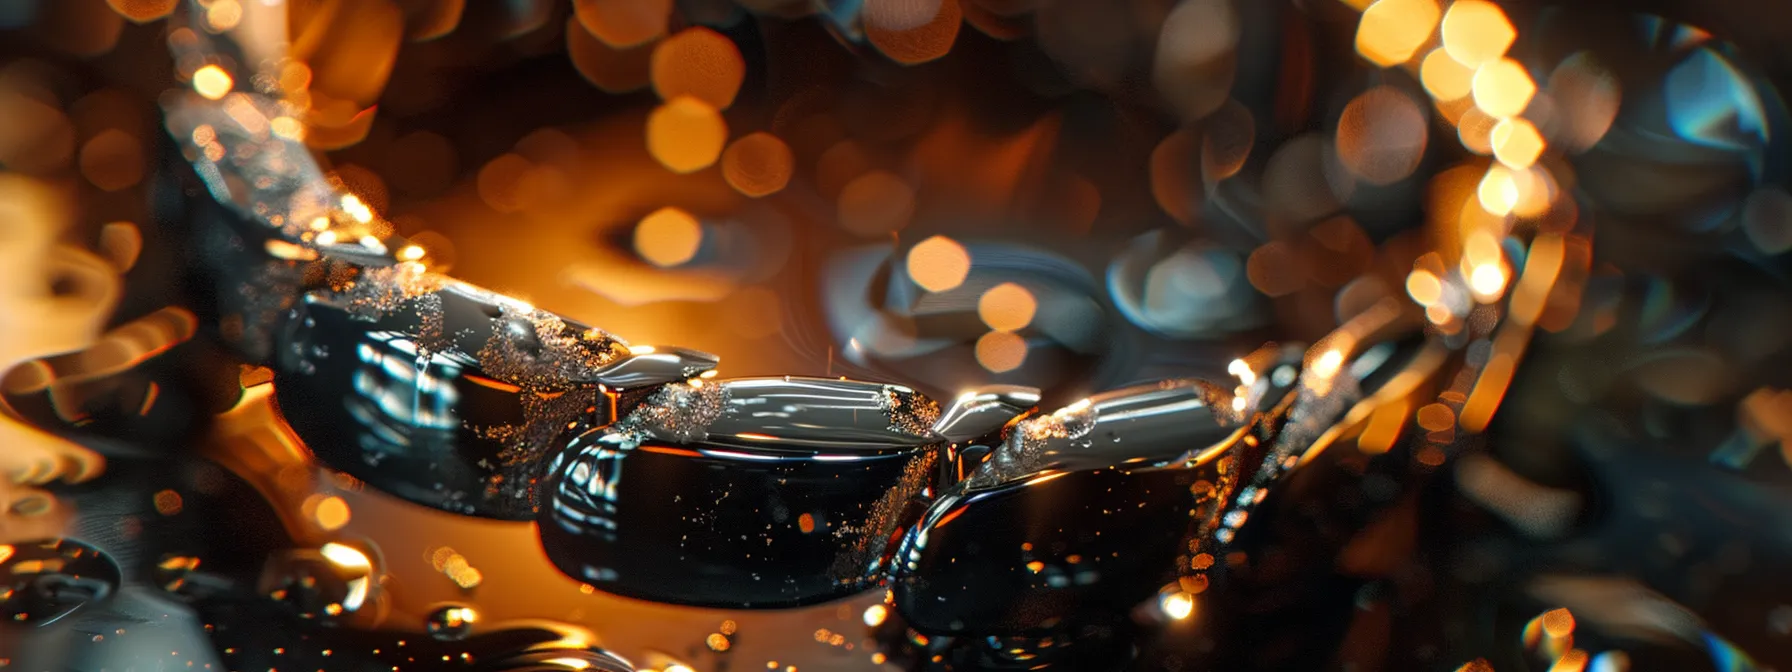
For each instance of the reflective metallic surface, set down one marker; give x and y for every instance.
(442, 399)
(776, 516)
(1384, 334)
(42, 582)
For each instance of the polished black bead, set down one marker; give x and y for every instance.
(437, 392)
(1081, 513)
(742, 493)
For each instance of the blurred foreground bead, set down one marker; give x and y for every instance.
(43, 581)
(759, 492)
(445, 395)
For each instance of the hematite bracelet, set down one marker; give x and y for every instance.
(978, 532)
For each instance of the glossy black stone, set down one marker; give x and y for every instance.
(1085, 513)
(454, 398)
(1079, 514)
(681, 503)
(42, 582)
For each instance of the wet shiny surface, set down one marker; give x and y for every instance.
(440, 399)
(712, 524)
(42, 582)
(1583, 210)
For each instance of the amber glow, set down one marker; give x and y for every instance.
(1444, 77)
(1381, 135)
(700, 63)
(1575, 660)
(611, 69)
(331, 513)
(938, 264)
(876, 203)
(1007, 307)
(875, 615)
(686, 134)
(1424, 287)
(143, 11)
(897, 28)
(623, 23)
(223, 15)
(288, 128)
(1391, 31)
(1328, 364)
(212, 82)
(1475, 32)
(1435, 417)
(668, 237)
(758, 164)
(1178, 605)
(1001, 351)
(168, 502)
(1517, 143)
(1502, 88)
(1498, 191)
(1475, 131)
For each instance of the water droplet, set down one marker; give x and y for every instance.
(451, 623)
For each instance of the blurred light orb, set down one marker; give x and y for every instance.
(758, 164)
(1476, 32)
(1177, 605)
(1001, 351)
(1711, 103)
(686, 134)
(143, 11)
(1502, 88)
(668, 237)
(1487, 281)
(907, 42)
(876, 203)
(212, 82)
(1194, 65)
(1767, 220)
(501, 182)
(938, 264)
(1391, 31)
(1172, 178)
(1586, 99)
(700, 63)
(608, 68)
(1516, 143)
(331, 513)
(1381, 135)
(1444, 77)
(112, 160)
(899, 15)
(1274, 269)
(624, 23)
(1498, 192)
(1226, 140)
(1007, 307)
(1475, 131)
(223, 15)
(1182, 292)
(1295, 179)
(1424, 287)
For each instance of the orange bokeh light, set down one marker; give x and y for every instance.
(686, 134)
